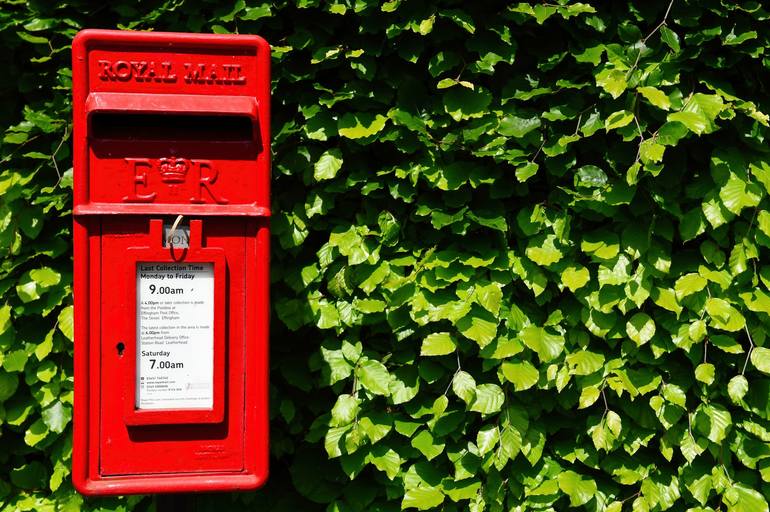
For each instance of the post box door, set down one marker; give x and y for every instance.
(175, 439)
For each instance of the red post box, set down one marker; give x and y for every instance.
(171, 245)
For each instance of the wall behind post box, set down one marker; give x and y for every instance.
(520, 258)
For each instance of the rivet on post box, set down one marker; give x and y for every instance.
(171, 246)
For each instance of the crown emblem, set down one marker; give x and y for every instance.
(173, 170)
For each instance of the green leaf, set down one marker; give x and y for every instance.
(640, 328)
(360, 124)
(461, 18)
(438, 344)
(600, 244)
(344, 411)
(705, 373)
(30, 476)
(490, 297)
(510, 446)
(465, 489)
(255, 13)
(613, 81)
(579, 489)
(57, 416)
(8, 385)
(464, 386)
(760, 358)
(544, 251)
(693, 121)
(422, 498)
(478, 325)
(427, 445)
(65, 323)
(763, 221)
(689, 284)
(733, 39)
(723, 315)
(338, 367)
(699, 484)
(740, 498)
(375, 425)
(5, 319)
(547, 346)
(726, 343)
(387, 460)
(699, 113)
(374, 377)
(32, 39)
(713, 421)
(575, 277)
(523, 375)
(590, 176)
(489, 399)
(487, 438)
(36, 433)
(656, 97)
(404, 385)
(737, 388)
(463, 103)
(650, 152)
(46, 371)
(15, 361)
(333, 440)
(618, 120)
(327, 316)
(669, 37)
(584, 362)
(328, 165)
(737, 194)
(526, 171)
(514, 126)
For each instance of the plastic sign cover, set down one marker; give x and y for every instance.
(175, 336)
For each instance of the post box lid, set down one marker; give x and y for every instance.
(168, 123)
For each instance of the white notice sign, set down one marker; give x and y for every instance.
(174, 335)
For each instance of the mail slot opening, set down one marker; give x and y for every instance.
(133, 126)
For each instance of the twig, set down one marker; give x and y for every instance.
(606, 407)
(53, 156)
(751, 349)
(538, 151)
(632, 496)
(644, 41)
(455, 373)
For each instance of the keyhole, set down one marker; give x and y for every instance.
(121, 347)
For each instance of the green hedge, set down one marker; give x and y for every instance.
(520, 253)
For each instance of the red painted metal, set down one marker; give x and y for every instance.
(170, 124)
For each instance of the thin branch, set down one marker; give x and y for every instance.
(457, 353)
(661, 24)
(577, 127)
(538, 151)
(644, 41)
(751, 349)
(606, 406)
(635, 495)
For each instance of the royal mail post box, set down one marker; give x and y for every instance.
(171, 244)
